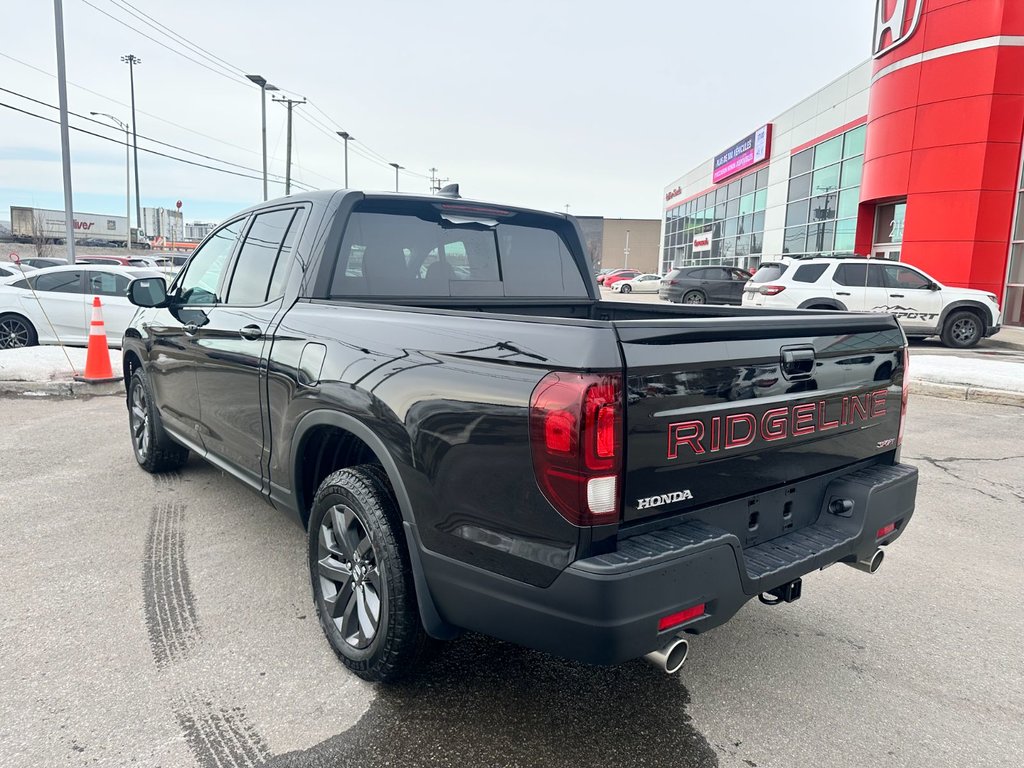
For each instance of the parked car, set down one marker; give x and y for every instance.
(960, 317)
(144, 262)
(496, 449)
(14, 269)
(99, 242)
(615, 277)
(704, 285)
(41, 262)
(639, 284)
(54, 305)
(609, 272)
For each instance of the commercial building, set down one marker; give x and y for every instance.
(198, 230)
(614, 243)
(162, 223)
(914, 155)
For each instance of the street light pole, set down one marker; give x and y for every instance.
(264, 87)
(131, 60)
(127, 174)
(625, 252)
(65, 140)
(397, 168)
(346, 136)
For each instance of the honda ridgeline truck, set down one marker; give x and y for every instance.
(474, 440)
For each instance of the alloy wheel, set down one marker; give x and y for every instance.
(13, 333)
(350, 580)
(965, 330)
(141, 432)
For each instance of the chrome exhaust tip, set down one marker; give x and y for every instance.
(670, 657)
(869, 565)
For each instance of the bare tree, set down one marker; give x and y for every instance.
(40, 242)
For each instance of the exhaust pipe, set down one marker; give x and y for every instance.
(869, 565)
(670, 657)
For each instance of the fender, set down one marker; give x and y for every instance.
(830, 303)
(986, 315)
(435, 626)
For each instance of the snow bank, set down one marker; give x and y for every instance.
(969, 371)
(47, 363)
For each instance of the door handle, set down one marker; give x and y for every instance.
(250, 332)
(842, 293)
(896, 295)
(191, 328)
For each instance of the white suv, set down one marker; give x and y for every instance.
(961, 317)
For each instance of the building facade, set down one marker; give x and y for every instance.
(162, 223)
(198, 230)
(614, 243)
(915, 155)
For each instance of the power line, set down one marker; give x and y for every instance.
(141, 149)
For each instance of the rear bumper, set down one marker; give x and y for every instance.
(605, 609)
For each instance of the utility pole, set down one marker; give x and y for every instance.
(65, 141)
(345, 135)
(290, 104)
(264, 87)
(397, 168)
(625, 252)
(435, 182)
(131, 60)
(127, 174)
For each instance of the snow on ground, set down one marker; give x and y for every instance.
(971, 371)
(47, 363)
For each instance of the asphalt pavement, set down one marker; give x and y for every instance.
(167, 621)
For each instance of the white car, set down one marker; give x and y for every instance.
(14, 269)
(961, 317)
(639, 284)
(54, 305)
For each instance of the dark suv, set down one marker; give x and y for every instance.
(704, 285)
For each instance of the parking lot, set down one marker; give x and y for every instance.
(167, 621)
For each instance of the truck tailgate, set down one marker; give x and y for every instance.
(723, 408)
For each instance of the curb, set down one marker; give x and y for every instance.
(966, 392)
(59, 389)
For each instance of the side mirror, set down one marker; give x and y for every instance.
(933, 286)
(148, 292)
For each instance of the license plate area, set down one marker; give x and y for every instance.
(769, 514)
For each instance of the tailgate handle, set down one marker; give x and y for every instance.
(797, 362)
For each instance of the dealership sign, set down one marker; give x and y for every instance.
(673, 193)
(750, 151)
(702, 241)
(897, 17)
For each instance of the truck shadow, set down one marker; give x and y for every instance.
(482, 703)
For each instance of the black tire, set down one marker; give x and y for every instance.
(17, 331)
(962, 330)
(367, 565)
(154, 449)
(625, 289)
(693, 297)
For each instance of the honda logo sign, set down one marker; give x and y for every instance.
(897, 17)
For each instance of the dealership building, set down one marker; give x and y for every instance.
(915, 155)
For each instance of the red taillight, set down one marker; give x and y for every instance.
(771, 290)
(906, 394)
(576, 438)
(675, 619)
(885, 530)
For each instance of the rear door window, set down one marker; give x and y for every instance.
(107, 284)
(262, 259)
(419, 249)
(863, 275)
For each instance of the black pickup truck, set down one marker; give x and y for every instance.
(474, 440)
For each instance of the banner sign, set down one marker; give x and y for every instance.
(750, 151)
(702, 241)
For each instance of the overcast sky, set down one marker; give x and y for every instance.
(593, 104)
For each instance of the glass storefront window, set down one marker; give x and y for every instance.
(825, 179)
(800, 186)
(846, 235)
(743, 245)
(746, 224)
(732, 208)
(849, 199)
(747, 184)
(889, 221)
(730, 227)
(734, 190)
(820, 237)
(796, 213)
(760, 199)
(719, 212)
(794, 239)
(828, 152)
(854, 144)
(762, 179)
(801, 162)
(746, 204)
(758, 225)
(852, 171)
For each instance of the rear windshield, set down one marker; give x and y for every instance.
(407, 248)
(768, 272)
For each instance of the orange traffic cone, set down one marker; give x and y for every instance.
(97, 360)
